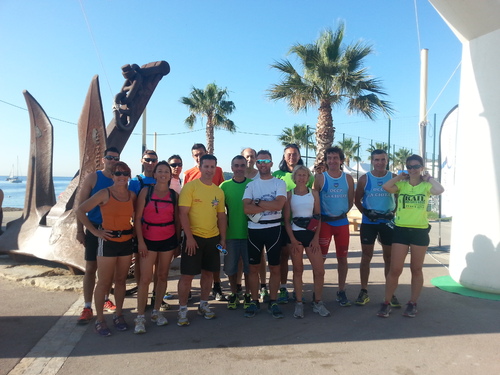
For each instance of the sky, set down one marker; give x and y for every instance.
(53, 49)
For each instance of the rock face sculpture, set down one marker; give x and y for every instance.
(47, 229)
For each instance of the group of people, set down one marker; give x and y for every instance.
(256, 218)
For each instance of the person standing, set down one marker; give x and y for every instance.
(302, 210)
(203, 219)
(411, 231)
(336, 190)
(291, 158)
(93, 183)
(237, 231)
(158, 236)
(250, 156)
(377, 207)
(149, 160)
(115, 246)
(197, 151)
(1, 211)
(264, 198)
(175, 162)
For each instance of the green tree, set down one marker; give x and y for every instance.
(211, 103)
(377, 146)
(350, 150)
(332, 76)
(400, 158)
(298, 135)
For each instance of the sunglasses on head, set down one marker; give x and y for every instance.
(121, 173)
(263, 161)
(150, 160)
(109, 157)
(416, 166)
(174, 165)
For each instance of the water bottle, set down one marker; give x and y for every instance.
(221, 249)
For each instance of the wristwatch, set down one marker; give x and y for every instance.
(256, 201)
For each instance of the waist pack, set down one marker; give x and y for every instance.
(309, 223)
(373, 215)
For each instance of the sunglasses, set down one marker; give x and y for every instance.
(263, 161)
(109, 157)
(175, 165)
(416, 166)
(150, 160)
(120, 173)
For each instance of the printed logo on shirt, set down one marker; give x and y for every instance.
(215, 202)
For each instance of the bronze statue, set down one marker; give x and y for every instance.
(47, 229)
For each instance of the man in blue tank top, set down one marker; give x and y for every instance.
(336, 192)
(92, 184)
(377, 207)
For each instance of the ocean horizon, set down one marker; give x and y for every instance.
(14, 194)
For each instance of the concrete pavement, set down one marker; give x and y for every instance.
(452, 334)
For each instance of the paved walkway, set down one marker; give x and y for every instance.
(452, 334)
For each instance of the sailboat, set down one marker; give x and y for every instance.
(14, 178)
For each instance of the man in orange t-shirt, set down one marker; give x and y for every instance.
(197, 151)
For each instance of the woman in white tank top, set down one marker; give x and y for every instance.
(301, 205)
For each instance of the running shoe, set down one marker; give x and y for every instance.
(320, 308)
(342, 299)
(411, 310)
(140, 325)
(204, 310)
(218, 294)
(275, 310)
(120, 323)
(232, 303)
(168, 296)
(102, 329)
(385, 310)
(247, 300)
(158, 318)
(282, 296)
(239, 293)
(395, 303)
(295, 297)
(362, 299)
(299, 310)
(182, 319)
(86, 316)
(109, 306)
(252, 309)
(264, 295)
(164, 306)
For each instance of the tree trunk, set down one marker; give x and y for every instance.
(210, 136)
(324, 132)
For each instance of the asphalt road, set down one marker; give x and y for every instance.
(452, 334)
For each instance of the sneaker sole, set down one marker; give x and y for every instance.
(205, 316)
(232, 307)
(139, 332)
(281, 316)
(83, 322)
(182, 324)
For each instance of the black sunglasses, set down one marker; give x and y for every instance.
(120, 173)
(416, 166)
(150, 160)
(109, 157)
(174, 165)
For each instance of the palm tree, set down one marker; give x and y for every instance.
(298, 135)
(378, 146)
(350, 150)
(332, 76)
(400, 157)
(211, 103)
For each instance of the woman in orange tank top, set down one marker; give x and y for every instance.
(115, 249)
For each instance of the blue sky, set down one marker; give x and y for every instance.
(47, 49)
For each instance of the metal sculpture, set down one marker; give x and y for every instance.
(47, 229)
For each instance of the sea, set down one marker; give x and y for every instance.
(14, 194)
